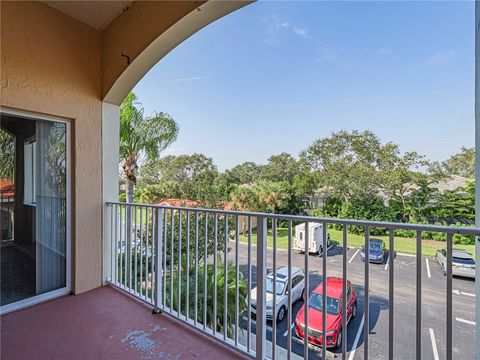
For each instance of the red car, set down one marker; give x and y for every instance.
(334, 313)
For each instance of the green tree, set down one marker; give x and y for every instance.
(245, 173)
(244, 198)
(142, 137)
(365, 207)
(398, 173)
(346, 161)
(150, 194)
(462, 164)
(281, 167)
(272, 196)
(7, 154)
(194, 176)
(458, 205)
(305, 184)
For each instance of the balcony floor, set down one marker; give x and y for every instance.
(102, 324)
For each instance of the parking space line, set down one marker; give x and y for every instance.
(458, 292)
(357, 338)
(291, 327)
(356, 252)
(465, 321)
(404, 254)
(268, 327)
(388, 261)
(428, 268)
(434, 344)
(328, 248)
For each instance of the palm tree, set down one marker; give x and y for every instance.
(142, 137)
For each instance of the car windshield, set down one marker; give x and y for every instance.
(460, 260)
(375, 245)
(316, 302)
(280, 286)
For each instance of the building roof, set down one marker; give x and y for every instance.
(450, 184)
(178, 203)
(7, 188)
(190, 203)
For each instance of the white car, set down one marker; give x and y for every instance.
(280, 310)
(463, 263)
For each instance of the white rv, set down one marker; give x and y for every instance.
(315, 238)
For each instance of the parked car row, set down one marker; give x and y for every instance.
(277, 311)
(463, 263)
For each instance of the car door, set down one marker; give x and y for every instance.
(297, 287)
(294, 288)
(301, 285)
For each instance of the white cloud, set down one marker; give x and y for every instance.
(442, 57)
(275, 25)
(191, 78)
(302, 32)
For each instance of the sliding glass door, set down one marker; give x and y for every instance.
(35, 262)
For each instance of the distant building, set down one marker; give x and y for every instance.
(222, 205)
(454, 182)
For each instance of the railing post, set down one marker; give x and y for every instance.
(157, 284)
(261, 333)
(477, 173)
(108, 243)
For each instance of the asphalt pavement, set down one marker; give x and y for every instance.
(433, 332)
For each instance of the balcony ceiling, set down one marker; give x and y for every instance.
(96, 14)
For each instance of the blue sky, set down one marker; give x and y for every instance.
(275, 76)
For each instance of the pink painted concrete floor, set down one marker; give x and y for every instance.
(102, 324)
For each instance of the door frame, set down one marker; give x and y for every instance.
(68, 233)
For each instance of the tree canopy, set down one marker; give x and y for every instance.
(142, 138)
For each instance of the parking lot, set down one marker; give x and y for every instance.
(433, 306)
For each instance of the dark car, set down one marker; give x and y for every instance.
(377, 251)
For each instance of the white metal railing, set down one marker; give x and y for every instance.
(174, 258)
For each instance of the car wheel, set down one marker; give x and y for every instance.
(339, 339)
(281, 313)
(354, 311)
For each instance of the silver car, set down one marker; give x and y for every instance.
(279, 311)
(463, 263)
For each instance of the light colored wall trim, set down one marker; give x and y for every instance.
(185, 27)
(110, 184)
(33, 300)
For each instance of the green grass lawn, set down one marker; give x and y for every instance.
(402, 245)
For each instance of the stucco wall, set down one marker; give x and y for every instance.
(55, 65)
(134, 30)
(51, 64)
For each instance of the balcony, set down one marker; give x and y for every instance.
(174, 260)
(102, 324)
